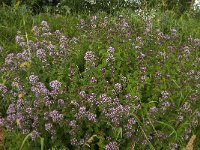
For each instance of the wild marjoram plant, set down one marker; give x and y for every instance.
(111, 87)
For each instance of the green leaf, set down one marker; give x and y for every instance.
(101, 143)
(119, 133)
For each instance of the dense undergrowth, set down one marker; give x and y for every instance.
(124, 81)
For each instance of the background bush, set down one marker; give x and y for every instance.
(109, 6)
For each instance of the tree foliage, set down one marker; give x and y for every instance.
(108, 6)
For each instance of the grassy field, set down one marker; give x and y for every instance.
(129, 80)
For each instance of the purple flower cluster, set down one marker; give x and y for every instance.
(116, 113)
(45, 26)
(39, 89)
(34, 135)
(83, 113)
(104, 99)
(164, 95)
(55, 116)
(92, 98)
(82, 94)
(41, 54)
(93, 80)
(173, 32)
(3, 89)
(112, 146)
(89, 56)
(110, 58)
(33, 79)
(93, 22)
(9, 59)
(90, 59)
(118, 87)
(82, 23)
(55, 84)
(48, 126)
(129, 128)
(19, 39)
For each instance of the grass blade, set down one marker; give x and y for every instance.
(25, 139)
(42, 143)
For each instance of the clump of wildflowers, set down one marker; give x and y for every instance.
(130, 92)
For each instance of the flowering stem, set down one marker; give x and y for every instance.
(150, 144)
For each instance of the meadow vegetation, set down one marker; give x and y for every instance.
(116, 80)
